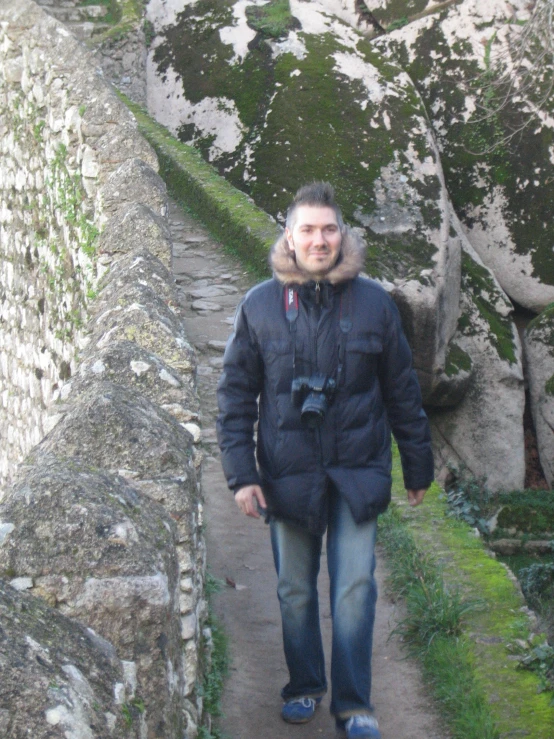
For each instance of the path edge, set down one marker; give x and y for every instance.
(516, 705)
(229, 214)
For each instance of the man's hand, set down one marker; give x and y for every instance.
(248, 498)
(415, 497)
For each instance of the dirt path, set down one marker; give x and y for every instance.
(239, 550)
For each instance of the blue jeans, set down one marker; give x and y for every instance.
(351, 564)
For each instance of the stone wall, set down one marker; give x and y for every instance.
(103, 519)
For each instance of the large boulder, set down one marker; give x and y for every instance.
(104, 554)
(273, 104)
(59, 679)
(483, 434)
(539, 353)
(499, 164)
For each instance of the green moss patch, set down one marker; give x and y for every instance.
(229, 214)
(477, 281)
(528, 511)
(303, 120)
(124, 15)
(515, 703)
(273, 20)
(395, 13)
(477, 154)
(457, 360)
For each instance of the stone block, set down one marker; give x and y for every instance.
(58, 677)
(116, 550)
(137, 224)
(133, 182)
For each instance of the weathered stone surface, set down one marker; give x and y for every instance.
(206, 305)
(58, 678)
(104, 554)
(539, 353)
(484, 432)
(126, 363)
(137, 304)
(139, 439)
(322, 76)
(506, 547)
(502, 189)
(64, 132)
(72, 164)
(138, 226)
(452, 383)
(133, 182)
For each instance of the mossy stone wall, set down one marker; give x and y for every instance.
(82, 305)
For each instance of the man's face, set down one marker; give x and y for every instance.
(315, 239)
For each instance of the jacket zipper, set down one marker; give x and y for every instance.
(316, 320)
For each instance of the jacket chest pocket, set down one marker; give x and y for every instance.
(362, 362)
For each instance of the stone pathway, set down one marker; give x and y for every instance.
(211, 284)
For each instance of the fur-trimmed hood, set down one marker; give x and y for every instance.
(349, 264)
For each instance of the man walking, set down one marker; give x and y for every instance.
(318, 357)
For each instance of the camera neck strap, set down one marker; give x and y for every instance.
(345, 322)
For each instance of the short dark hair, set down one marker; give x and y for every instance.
(318, 194)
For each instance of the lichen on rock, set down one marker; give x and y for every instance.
(501, 184)
(484, 432)
(58, 677)
(104, 554)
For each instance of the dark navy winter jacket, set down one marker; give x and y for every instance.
(377, 391)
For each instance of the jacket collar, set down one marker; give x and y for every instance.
(348, 265)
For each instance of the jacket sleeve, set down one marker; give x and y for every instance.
(402, 398)
(237, 394)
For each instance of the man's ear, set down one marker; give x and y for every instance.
(288, 234)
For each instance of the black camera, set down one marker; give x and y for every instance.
(313, 396)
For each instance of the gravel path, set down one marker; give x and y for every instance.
(239, 550)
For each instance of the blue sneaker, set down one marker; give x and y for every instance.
(362, 726)
(300, 710)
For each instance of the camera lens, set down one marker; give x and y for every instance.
(314, 409)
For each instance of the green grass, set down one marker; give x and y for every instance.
(433, 630)
(217, 670)
(214, 680)
(486, 691)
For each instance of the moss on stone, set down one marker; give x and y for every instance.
(475, 154)
(390, 13)
(528, 511)
(398, 257)
(516, 703)
(549, 387)
(457, 360)
(193, 48)
(543, 323)
(304, 120)
(230, 215)
(273, 19)
(478, 281)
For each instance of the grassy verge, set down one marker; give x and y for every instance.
(470, 667)
(433, 630)
(215, 671)
(230, 215)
